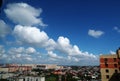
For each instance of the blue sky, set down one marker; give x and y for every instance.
(70, 32)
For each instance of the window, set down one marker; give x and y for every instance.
(105, 59)
(107, 76)
(37, 79)
(116, 71)
(115, 59)
(118, 63)
(27, 79)
(107, 71)
(106, 65)
(115, 65)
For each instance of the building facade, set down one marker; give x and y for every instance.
(26, 78)
(110, 66)
(18, 67)
(30, 78)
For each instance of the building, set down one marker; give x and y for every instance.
(30, 78)
(6, 75)
(110, 67)
(4, 69)
(48, 66)
(26, 78)
(18, 67)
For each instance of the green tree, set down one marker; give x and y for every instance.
(4, 80)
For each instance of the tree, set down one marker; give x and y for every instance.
(4, 80)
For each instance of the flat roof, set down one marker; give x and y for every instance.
(109, 56)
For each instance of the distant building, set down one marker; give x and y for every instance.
(110, 67)
(26, 78)
(18, 67)
(30, 78)
(6, 75)
(4, 69)
(48, 66)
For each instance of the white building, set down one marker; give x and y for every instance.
(30, 78)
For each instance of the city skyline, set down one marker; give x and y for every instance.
(58, 31)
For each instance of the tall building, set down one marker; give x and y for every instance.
(110, 67)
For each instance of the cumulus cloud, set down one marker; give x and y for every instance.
(30, 50)
(16, 50)
(24, 14)
(53, 55)
(29, 58)
(74, 59)
(60, 51)
(50, 45)
(4, 29)
(2, 50)
(31, 55)
(95, 33)
(18, 55)
(117, 29)
(31, 35)
(63, 44)
(22, 50)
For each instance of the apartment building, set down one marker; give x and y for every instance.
(29, 78)
(110, 67)
(18, 67)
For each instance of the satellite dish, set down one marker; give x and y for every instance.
(1, 1)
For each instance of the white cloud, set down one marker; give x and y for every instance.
(4, 29)
(112, 52)
(50, 45)
(88, 55)
(19, 55)
(76, 59)
(56, 50)
(53, 55)
(63, 45)
(31, 35)
(34, 36)
(95, 33)
(73, 59)
(22, 50)
(2, 50)
(30, 55)
(28, 58)
(24, 14)
(30, 50)
(60, 51)
(117, 29)
(16, 50)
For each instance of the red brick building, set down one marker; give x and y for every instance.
(110, 65)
